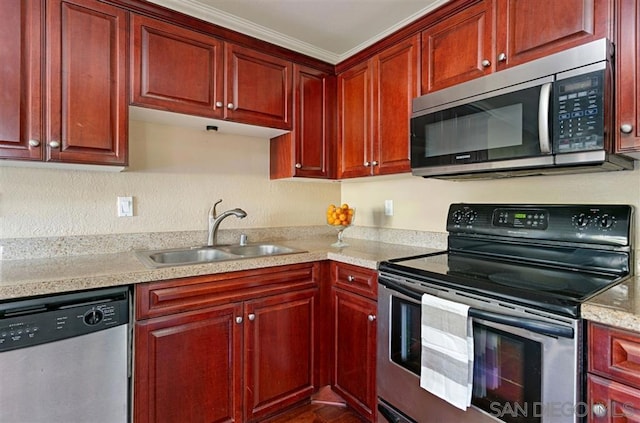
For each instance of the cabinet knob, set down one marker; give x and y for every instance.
(599, 410)
(34, 143)
(367, 164)
(298, 165)
(374, 163)
(230, 106)
(502, 57)
(251, 317)
(54, 144)
(218, 103)
(371, 317)
(626, 128)
(486, 63)
(351, 278)
(239, 319)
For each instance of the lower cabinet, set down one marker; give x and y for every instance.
(613, 382)
(354, 336)
(235, 347)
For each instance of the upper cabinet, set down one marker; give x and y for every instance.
(496, 34)
(374, 106)
(186, 71)
(307, 150)
(78, 113)
(627, 77)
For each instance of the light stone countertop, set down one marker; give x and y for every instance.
(41, 276)
(618, 306)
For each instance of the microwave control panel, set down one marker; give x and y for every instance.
(579, 113)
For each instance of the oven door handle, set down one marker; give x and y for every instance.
(532, 325)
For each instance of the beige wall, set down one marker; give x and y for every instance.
(422, 204)
(176, 174)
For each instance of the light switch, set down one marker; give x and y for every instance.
(125, 206)
(388, 207)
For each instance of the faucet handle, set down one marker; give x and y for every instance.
(212, 210)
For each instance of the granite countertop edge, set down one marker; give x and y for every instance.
(618, 307)
(45, 276)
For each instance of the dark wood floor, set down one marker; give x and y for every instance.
(318, 413)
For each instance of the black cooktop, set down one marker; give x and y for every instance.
(550, 257)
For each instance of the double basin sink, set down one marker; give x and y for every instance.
(198, 255)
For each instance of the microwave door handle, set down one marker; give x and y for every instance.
(543, 118)
(532, 325)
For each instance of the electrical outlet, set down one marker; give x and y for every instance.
(125, 206)
(388, 207)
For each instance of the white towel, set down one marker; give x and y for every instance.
(447, 350)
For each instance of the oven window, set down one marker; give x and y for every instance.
(406, 342)
(507, 375)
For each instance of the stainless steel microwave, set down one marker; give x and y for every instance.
(550, 115)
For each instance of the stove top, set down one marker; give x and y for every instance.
(549, 257)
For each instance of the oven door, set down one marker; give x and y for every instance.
(506, 128)
(520, 374)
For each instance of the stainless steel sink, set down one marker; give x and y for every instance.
(196, 255)
(257, 250)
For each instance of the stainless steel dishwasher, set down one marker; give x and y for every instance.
(65, 358)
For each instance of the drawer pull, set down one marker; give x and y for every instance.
(371, 317)
(599, 410)
(351, 278)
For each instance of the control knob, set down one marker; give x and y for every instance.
(606, 221)
(457, 216)
(581, 220)
(470, 216)
(93, 317)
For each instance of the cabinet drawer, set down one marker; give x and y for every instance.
(176, 295)
(615, 354)
(355, 279)
(611, 401)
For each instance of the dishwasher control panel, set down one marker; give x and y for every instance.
(37, 321)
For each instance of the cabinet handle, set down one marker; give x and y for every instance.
(239, 319)
(230, 106)
(351, 278)
(367, 164)
(599, 410)
(298, 166)
(371, 317)
(251, 317)
(218, 103)
(486, 63)
(626, 128)
(54, 144)
(502, 57)
(34, 143)
(374, 163)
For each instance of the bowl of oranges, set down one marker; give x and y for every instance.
(340, 218)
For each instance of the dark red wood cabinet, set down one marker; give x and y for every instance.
(232, 347)
(354, 309)
(374, 107)
(307, 151)
(613, 383)
(64, 99)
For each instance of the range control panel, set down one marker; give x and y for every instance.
(597, 224)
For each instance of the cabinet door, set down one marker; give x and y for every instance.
(20, 79)
(354, 121)
(280, 352)
(528, 29)
(306, 151)
(396, 83)
(458, 49)
(86, 72)
(176, 69)
(627, 76)
(188, 367)
(258, 88)
(611, 401)
(354, 343)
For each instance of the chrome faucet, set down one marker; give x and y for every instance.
(215, 219)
